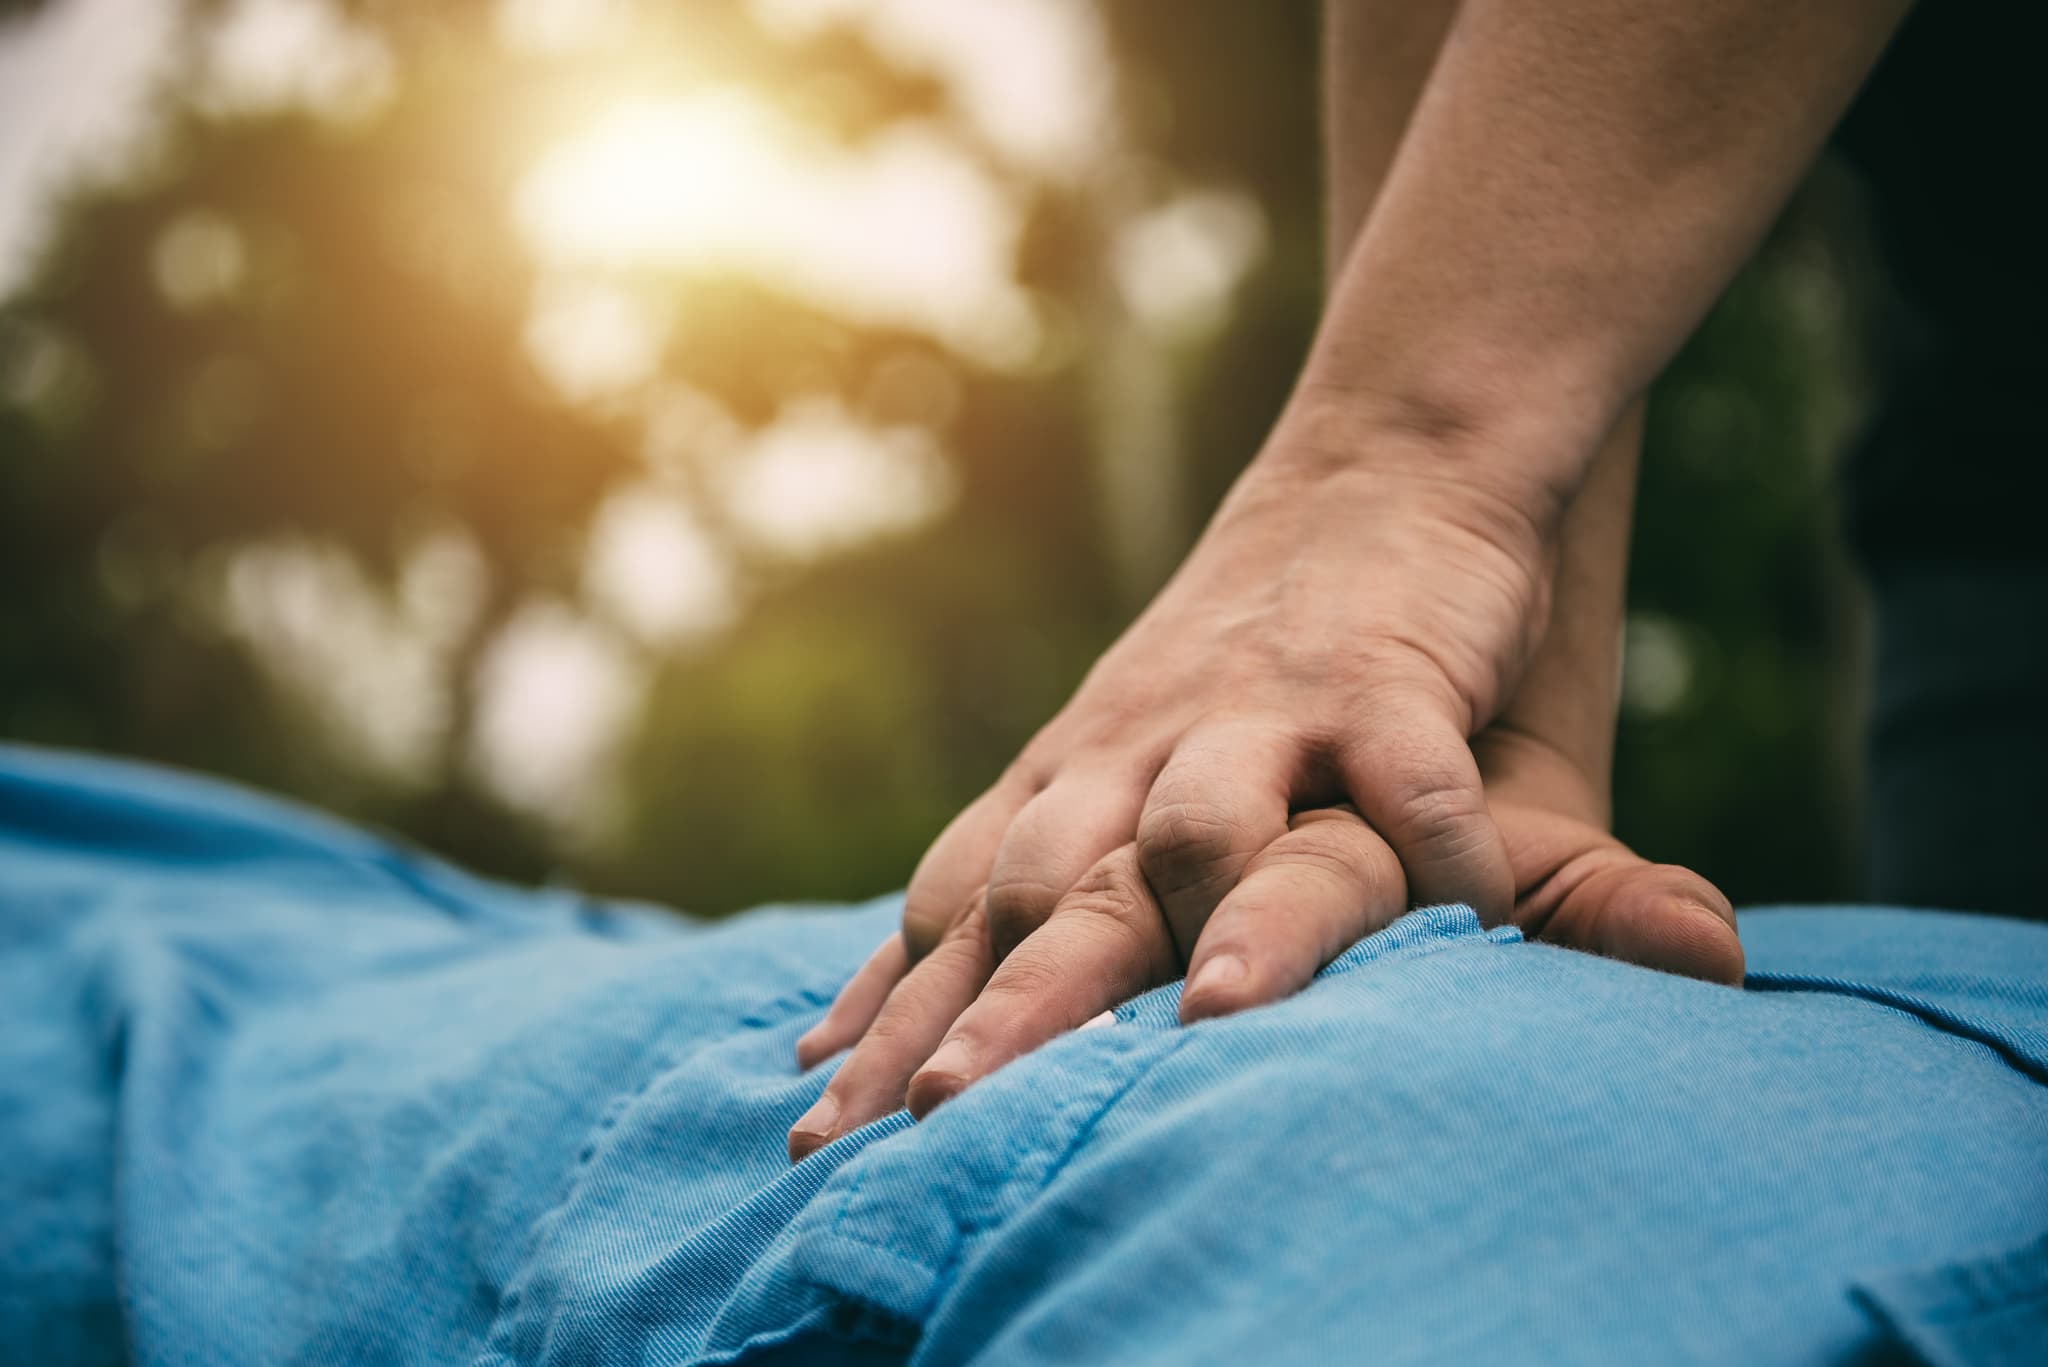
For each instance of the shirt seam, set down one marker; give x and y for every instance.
(1962, 1311)
(1941, 1018)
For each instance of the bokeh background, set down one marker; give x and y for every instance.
(686, 449)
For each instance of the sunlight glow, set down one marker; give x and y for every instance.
(908, 230)
(1177, 266)
(815, 481)
(1659, 665)
(593, 340)
(653, 568)
(559, 696)
(1033, 76)
(559, 25)
(370, 667)
(199, 259)
(76, 81)
(266, 55)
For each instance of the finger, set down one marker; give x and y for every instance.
(1307, 896)
(1221, 799)
(1058, 836)
(1659, 916)
(1608, 900)
(951, 873)
(872, 1081)
(956, 866)
(1105, 943)
(1411, 774)
(855, 1005)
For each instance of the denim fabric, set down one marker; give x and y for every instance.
(273, 1091)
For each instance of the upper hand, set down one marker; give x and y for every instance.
(1361, 605)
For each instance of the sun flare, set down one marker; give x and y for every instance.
(656, 180)
(907, 229)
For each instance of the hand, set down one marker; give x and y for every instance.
(1361, 604)
(1577, 886)
(1329, 880)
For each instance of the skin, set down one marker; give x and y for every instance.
(1329, 880)
(1352, 697)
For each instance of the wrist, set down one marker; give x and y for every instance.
(1533, 454)
(1493, 377)
(1438, 465)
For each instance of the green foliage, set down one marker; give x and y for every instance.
(1746, 769)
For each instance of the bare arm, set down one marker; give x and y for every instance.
(1580, 181)
(1376, 59)
(1546, 759)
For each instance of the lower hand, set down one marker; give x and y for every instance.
(930, 1030)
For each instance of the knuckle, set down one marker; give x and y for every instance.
(1186, 840)
(901, 1030)
(1440, 817)
(932, 992)
(1112, 888)
(964, 953)
(1027, 977)
(1114, 904)
(969, 932)
(1346, 858)
(1018, 901)
(1338, 814)
(1320, 855)
(900, 1021)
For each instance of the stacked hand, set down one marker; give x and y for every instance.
(1275, 760)
(1287, 749)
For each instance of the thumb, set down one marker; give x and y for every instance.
(1578, 886)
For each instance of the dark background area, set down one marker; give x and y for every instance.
(290, 493)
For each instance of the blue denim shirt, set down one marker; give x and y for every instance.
(272, 1090)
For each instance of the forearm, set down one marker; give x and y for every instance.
(1377, 58)
(1578, 182)
(1377, 55)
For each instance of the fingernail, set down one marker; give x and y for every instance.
(954, 1059)
(944, 1076)
(814, 1127)
(1221, 971)
(1106, 1018)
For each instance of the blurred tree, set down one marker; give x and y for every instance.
(286, 372)
(285, 328)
